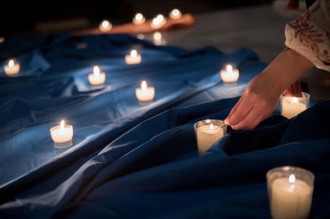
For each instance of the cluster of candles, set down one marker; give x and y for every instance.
(157, 22)
(290, 189)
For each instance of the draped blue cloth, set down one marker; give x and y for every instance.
(140, 161)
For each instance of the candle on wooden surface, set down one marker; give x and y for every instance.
(292, 106)
(12, 68)
(229, 74)
(145, 93)
(62, 135)
(133, 58)
(97, 77)
(105, 26)
(158, 22)
(139, 19)
(175, 14)
(207, 132)
(290, 192)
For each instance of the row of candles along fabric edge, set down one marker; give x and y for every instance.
(290, 106)
(158, 22)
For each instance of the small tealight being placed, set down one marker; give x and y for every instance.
(97, 77)
(12, 68)
(175, 14)
(139, 19)
(133, 58)
(105, 26)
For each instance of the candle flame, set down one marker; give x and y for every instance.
(139, 16)
(144, 85)
(295, 100)
(134, 53)
(96, 70)
(208, 121)
(160, 17)
(105, 23)
(211, 126)
(157, 36)
(11, 63)
(229, 68)
(292, 179)
(62, 124)
(175, 12)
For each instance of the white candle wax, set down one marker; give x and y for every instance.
(230, 74)
(175, 14)
(158, 22)
(97, 77)
(145, 93)
(139, 19)
(105, 26)
(133, 58)
(290, 198)
(290, 107)
(62, 133)
(12, 68)
(207, 135)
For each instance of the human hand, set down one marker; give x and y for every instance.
(294, 90)
(256, 104)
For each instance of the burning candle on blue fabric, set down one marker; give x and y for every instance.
(229, 74)
(97, 77)
(62, 134)
(12, 68)
(145, 93)
(133, 58)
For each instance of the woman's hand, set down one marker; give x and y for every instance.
(256, 104)
(261, 95)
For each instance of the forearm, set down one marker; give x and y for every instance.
(286, 68)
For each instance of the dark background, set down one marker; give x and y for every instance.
(21, 18)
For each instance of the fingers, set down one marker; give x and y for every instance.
(234, 109)
(251, 120)
(241, 110)
(294, 90)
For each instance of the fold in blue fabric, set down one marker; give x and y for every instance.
(140, 161)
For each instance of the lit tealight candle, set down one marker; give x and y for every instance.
(12, 68)
(230, 74)
(175, 14)
(105, 26)
(97, 77)
(133, 58)
(207, 132)
(292, 106)
(158, 22)
(145, 94)
(139, 19)
(290, 195)
(62, 135)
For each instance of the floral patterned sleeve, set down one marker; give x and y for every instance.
(309, 34)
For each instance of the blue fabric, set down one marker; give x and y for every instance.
(140, 161)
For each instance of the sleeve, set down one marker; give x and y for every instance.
(309, 34)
